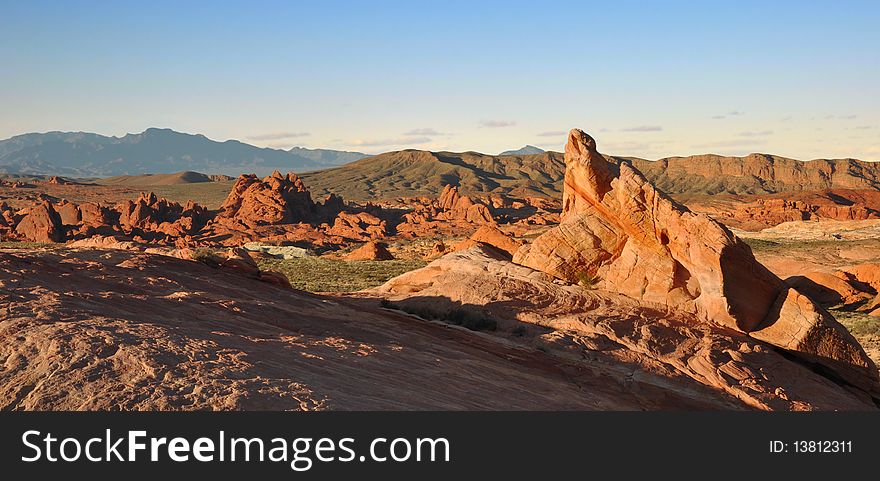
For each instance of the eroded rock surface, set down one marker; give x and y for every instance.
(618, 233)
(650, 340)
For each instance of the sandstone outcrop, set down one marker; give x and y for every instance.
(618, 233)
(123, 330)
(450, 206)
(358, 226)
(371, 251)
(454, 206)
(605, 328)
(756, 213)
(276, 199)
(41, 224)
(437, 250)
(626, 236)
(490, 235)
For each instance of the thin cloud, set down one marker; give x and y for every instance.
(643, 128)
(279, 135)
(732, 113)
(426, 131)
(552, 133)
(495, 124)
(386, 142)
(756, 133)
(848, 117)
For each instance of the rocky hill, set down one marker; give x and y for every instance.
(416, 172)
(177, 178)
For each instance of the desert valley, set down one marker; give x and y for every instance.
(439, 280)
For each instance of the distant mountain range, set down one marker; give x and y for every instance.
(526, 150)
(154, 151)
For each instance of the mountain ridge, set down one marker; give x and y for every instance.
(153, 151)
(415, 172)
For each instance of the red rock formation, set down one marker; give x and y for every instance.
(625, 236)
(609, 328)
(359, 226)
(276, 199)
(149, 214)
(628, 237)
(492, 236)
(371, 251)
(56, 180)
(41, 224)
(454, 206)
(7, 220)
(756, 213)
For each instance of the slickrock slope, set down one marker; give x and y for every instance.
(622, 235)
(84, 329)
(650, 342)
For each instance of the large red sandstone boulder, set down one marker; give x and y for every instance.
(371, 251)
(625, 236)
(41, 224)
(437, 250)
(797, 324)
(490, 235)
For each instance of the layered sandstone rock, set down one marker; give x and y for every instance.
(437, 250)
(626, 236)
(8, 220)
(606, 329)
(622, 235)
(795, 323)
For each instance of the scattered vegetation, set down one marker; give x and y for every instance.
(760, 244)
(585, 279)
(318, 274)
(859, 324)
(205, 255)
(24, 245)
(459, 316)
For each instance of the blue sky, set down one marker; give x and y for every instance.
(649, 79)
